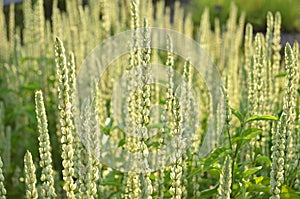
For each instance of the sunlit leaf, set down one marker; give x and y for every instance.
(237, 114)
(251, 171)
(262, 117)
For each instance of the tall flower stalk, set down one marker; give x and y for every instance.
(48, 190)
(297, 132)
(65, 115)
(132, 183)
(259, 70)
(249, 67)
(289, 106)
(30, 177)
(276, 57)
(268, 57)
(2, 188)
(88, 164)
(144, 100)
(224, 189)
(283, 132)
(12, 24)
(176, 190)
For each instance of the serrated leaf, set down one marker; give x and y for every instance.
(262, 117)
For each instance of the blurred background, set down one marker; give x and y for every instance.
(256, 11)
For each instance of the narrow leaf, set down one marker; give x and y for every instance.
(248, 134)
(281, 75)
(265, 159)
(251, 171)
(237, 114)
(262, 117)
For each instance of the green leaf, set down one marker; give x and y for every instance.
(217, 154)
(4, 91)
(281, 75)
(209, 192)
(258, 188)
(262, 159)
(118, 127)
(31, 86)
(24, 59)
(287, 192)
(237, 114)
(253, 135)
(251, 171)
(195, 171)
(152, 144)
(109, 126)
(262, 117)
(249, 131)
(248, 134)
(122, 142)
(152, 177)
(214, 172)
(259, 179)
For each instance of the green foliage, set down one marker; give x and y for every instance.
(256, 11)
(256, 156)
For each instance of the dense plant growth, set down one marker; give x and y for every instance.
(256, 10)
(41, 153)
